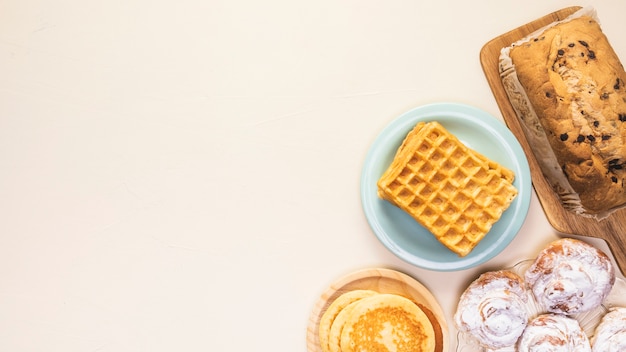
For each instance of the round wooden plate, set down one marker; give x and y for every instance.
(383, 281)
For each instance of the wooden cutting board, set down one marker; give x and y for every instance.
(611, 229)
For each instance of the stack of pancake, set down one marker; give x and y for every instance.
(365, 320)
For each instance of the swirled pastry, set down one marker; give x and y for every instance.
(553, 333)
(493, 309)
(570, 276)
(610, 335)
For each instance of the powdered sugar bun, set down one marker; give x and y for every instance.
(493, 309)
(553, 333)
(610, 335)
(570, 276)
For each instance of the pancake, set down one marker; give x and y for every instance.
(386, 322)
(334, 337)
(334, 309)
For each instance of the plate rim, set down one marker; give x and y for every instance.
(477, 117)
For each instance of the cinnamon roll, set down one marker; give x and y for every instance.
(493, 309)
(610, 334)
(570, 276)
(553, 333)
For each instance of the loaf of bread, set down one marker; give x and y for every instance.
(568, 88)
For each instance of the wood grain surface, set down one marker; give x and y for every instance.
(611, 229)
(382, 281)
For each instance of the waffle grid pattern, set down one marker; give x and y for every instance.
(453, 191)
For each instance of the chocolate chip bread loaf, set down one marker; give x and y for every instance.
(568, 87)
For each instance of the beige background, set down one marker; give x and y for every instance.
(184, 175)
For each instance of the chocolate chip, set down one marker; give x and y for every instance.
(596, 123)
(591, 138)
(622, 117)
(606, 137)
(604, 96)
(615, 165)
(616, 86)
(571, 45)
(591, 55)
(583, 43)
(561, 52)
(548, 95)
(614, 179)
(580, 138)
(564, 137)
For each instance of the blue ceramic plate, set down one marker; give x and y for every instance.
(404, 236)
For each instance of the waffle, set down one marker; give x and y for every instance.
(453, 191)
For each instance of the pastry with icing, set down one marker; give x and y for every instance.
(553, 333)
(492, 309)
(610, 334)
(570, 276)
